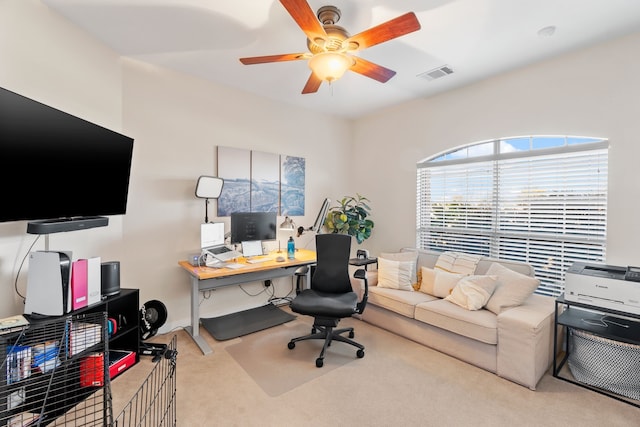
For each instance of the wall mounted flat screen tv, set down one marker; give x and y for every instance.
(54, 165)
(248, 226)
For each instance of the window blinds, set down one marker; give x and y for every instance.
(547, 208)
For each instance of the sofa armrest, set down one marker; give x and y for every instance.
(359, 285)
(525, 341)
(372, 277)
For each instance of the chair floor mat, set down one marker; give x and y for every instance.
(245, 322)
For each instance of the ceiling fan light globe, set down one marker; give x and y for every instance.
(330, 66)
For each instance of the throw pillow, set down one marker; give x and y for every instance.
(438, 283)
(473, 292)
(466, 263)
(400, 256)
(404, 256)
(428, 278)
(457, 262)
(512, 290)
(396, 274)
(445, 261)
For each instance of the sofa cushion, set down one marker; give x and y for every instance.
(473, 292)
(457, 262)
(400, 302)
(518, 266)
(396, 274)
(512, 290)
(437, 282)
(425, 258)
(480, 325)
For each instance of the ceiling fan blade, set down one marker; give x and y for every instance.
(397, 27)
(273, 58)
(371, 70)
(313, 84)
(306, 19)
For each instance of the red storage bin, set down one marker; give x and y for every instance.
(92, 367)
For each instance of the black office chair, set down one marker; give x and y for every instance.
(330, 296)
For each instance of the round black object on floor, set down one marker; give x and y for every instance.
(153, 314)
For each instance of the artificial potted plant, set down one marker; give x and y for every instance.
(350, 216)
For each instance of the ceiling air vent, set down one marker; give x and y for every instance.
(436, 73)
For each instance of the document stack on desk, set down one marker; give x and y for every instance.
(234, 265)
(214, 262)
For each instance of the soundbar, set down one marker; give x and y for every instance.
(58, 225)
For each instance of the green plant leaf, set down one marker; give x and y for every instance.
(350, 216)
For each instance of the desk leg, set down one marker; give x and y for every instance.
(194, 329)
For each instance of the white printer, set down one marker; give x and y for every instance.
(605, 286)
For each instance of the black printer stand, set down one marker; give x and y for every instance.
(602, 322)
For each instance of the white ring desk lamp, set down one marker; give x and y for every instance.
(208, 187)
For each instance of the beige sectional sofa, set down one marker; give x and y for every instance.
(516, 344)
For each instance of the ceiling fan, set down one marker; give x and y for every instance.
(331, 49)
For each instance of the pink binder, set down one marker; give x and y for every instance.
(79, 284)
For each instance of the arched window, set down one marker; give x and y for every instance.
(538, 199)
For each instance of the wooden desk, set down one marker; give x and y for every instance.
(207, 278)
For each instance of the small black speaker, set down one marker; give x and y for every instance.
(110, 278)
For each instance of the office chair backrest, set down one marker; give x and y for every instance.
(332, 263)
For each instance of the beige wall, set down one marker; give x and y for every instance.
(42, 57)
(594, 92)
(177, 121)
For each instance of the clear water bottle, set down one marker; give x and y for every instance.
(291, 248)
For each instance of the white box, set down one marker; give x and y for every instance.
(83, 336)
(94, 280)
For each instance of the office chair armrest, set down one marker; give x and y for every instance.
(301, 271)
(361, 274)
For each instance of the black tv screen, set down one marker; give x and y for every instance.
(248, 226)
(56, 165)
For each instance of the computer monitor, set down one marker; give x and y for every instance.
(247, 226)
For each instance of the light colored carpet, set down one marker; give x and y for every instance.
(266, 358)
(397, 383)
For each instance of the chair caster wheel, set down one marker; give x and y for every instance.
(352, 334)
(359, 353)
(291, 345)
(319, 362)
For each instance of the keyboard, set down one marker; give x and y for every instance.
(222, 253)
(219, 250)
(257, 260)
(228, 255)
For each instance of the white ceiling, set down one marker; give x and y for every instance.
(477, 38)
